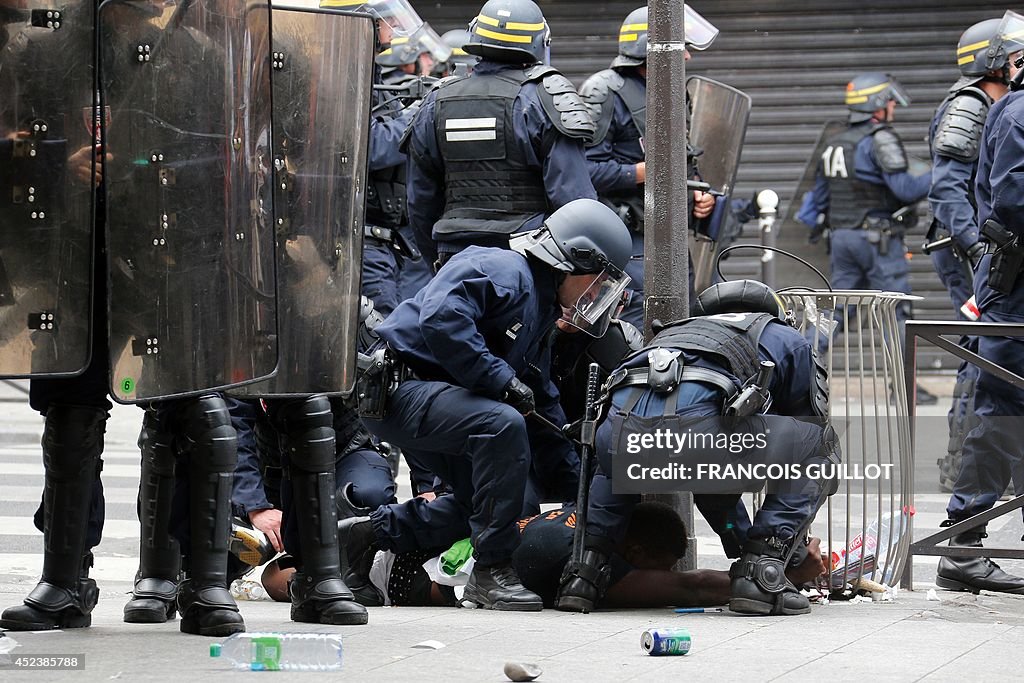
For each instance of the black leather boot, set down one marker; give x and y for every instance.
(204, 602)
(583, 584)
(759, 583)
(499, 588)
(65, 595)
(156, 583)
(975, 574)
(318, 593)
(347, 507)
(357, 544)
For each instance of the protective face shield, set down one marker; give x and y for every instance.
(407, 49)
(399, 15)
(593, 310)
(1009, 39)
(700, 32)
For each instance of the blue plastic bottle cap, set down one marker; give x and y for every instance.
(215, 650)
(257, 666)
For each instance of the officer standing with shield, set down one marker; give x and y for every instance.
(863, 186)
(494, 152)
(955, 137)
(617, 98)
(992, 449)
(51, 235)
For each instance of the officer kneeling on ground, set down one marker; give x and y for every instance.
(459, 351)
(699, 368)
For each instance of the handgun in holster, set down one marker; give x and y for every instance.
(754, 398)
(375, 382)
(1008, 258)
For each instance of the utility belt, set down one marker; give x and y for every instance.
(380, 374)
(665, 372)
(1007, 249)
(879, 230)
(392, 238)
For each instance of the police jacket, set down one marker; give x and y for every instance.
(999, 189)
(482, 320)
(876, 184)
(492, 153)
(955, 138)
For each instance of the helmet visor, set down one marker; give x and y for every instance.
(430, 41)
(593, 310)
(700, 32)
(897, 93)
(1010, 33)
(397, 14)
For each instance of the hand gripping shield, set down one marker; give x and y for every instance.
(49, 123)
(322, 84)
(190, 241)
(718, 126)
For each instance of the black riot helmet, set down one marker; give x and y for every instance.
(740, 296)
(584, 237)
(512, 31)
(700, 33)
(869, 92)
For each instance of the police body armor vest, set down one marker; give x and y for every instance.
(634, 96)
(727, 342)
(489, 187)
(852, 200)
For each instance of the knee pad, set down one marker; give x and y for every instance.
(206, 423)
(306, 426)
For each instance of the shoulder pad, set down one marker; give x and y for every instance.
(958, 134)
(562, 103)
(888, 149)
(596, 93)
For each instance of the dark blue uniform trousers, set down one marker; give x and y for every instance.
(479, 447)
(992, 450)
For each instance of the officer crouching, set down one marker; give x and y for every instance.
(454, 360)
(736, 361)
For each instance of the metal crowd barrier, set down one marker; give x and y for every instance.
(865, 526)
(936, 333)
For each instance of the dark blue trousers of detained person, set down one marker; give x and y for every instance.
(992, 450)
(479, 447)
(780, 516)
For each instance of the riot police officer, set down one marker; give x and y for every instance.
(617, 97)
(465, 346)
(991, 449)
(955, 135)
(696, 369)
(862, 186)
(494, 152)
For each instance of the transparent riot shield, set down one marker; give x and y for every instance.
(718, 126)
(322, 85)
(809, 176)
(192, 304)
(48, 125)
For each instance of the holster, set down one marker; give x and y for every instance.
(381, 374)
(1007, 258)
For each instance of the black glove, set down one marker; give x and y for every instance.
(974, 254)
(519, 396)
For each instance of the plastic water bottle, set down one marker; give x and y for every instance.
(281, 651)
(245, 589)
